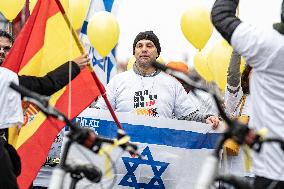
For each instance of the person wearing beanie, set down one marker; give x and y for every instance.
(263, 50)
(202, 100)
(144, 90)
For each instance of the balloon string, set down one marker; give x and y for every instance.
(105, 59)
(70, 69)
(211, 72)
(9, 27)
(79, 45)
(208, 68)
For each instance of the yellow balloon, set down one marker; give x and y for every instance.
(103, 32)
(201, 65)
(133, 59)
(196, 25)
(77, 12)
(11, 8)
(218, 62)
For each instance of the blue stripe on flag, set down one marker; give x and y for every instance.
(84, 27)
(109, 68)
(108, 5)
(154, 135)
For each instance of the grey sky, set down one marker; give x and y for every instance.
(163, 17)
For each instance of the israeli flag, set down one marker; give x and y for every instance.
(173, 150)
(105, 68)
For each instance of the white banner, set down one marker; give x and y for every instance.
(174, 150)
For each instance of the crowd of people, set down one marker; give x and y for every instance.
(253, 96)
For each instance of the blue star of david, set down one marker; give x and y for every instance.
(104, 64)
(131, 165)
(95, 61)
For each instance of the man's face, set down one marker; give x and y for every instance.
(5, 46)
(145, 52)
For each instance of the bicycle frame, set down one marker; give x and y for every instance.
(59, 172)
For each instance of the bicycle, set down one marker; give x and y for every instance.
(83, 136)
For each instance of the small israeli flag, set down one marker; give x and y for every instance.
(105, 68)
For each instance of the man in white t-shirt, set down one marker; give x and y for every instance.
(11, 114)
(144, 90)
(264, 52)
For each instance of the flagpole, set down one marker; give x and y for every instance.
(103, 93)
(95, 77)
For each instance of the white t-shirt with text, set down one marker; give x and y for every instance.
(158, 96)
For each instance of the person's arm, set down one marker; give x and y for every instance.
(56, 79)
(195, 116)
(233, 92)
(234, 74)
(52, 81)
(185, 110)
(210, 104)
(204, 118)
(223, 16)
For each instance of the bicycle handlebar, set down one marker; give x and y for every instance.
(237, 182)
(89, 171)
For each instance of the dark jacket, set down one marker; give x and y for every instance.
(52, 81)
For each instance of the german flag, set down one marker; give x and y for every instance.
(45, 43)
